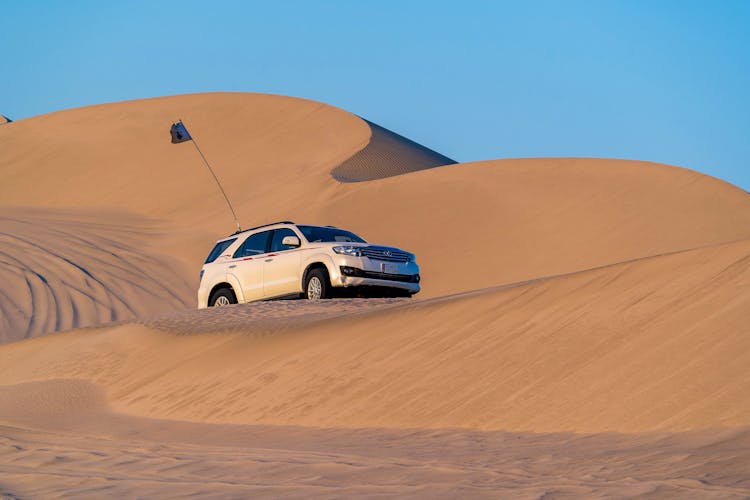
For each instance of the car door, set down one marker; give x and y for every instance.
(281, 267)
(247, 264)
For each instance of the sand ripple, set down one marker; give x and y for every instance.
(261, 316)
(61, 270)
(157, 459)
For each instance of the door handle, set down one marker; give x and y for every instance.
(269, 260)
(232, 266)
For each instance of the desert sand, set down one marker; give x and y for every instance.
(582, 328)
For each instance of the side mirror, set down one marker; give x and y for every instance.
(290, 241)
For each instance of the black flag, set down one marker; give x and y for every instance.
(179, 133)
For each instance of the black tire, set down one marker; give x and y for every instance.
(319, 276)
(219, 295)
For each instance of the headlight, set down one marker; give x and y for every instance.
(349, 250)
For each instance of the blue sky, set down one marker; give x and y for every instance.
(665, 81)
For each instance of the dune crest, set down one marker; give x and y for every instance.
(387, 154)
(4, 119)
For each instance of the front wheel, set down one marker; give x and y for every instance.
(222, 297)
(317, 286)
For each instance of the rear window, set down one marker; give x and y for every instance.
(218, 249)
(316, 234)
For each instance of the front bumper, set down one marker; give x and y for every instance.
(352, 271)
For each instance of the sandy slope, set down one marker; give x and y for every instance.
(273, 154)
(120, 155)
(4, 119)
(126, 457)
(471, 225)
(588, 295)
(482, 224)
(387, 154)
(63, 269)
(658, 343)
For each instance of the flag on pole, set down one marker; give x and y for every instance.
(179, 133)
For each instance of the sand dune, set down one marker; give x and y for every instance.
(560, 295)
(510, 219)
(4, 119)
(653, 344)
(119, 157)
(483, 224)
(273, 154)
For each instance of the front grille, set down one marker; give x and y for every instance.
(385, 253)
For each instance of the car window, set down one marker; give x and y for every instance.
(329, 234)
(278, 235)
(255, 244)
(218, 250)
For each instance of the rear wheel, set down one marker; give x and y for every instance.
(317, 286)
(222, 297)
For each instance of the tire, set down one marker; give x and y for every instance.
(317, 285)
(222, 297)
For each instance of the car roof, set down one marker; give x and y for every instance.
(261, 226)
(270, 226)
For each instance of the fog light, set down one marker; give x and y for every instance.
(350, 271)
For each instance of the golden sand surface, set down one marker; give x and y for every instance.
(582, 329)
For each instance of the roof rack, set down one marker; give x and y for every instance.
(262, 225)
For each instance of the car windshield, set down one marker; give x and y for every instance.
(319, 234)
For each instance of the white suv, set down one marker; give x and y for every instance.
(287, 259)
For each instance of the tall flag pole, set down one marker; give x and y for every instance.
(180, 134)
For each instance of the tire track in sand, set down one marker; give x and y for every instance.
(63, 270)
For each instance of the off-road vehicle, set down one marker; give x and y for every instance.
(285, 259)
